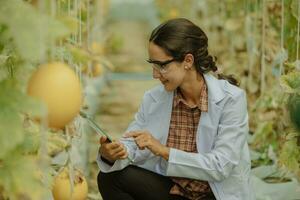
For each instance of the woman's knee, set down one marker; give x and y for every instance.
(103, 180)
(122, 178)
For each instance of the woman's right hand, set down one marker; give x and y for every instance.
(112, 151)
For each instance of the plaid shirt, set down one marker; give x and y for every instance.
(182, 135)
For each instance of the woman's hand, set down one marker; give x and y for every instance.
(144, 139)
(112, 151)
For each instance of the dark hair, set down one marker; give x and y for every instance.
(179, 37)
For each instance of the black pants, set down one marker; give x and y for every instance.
(134, 183)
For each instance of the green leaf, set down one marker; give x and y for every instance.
(3, 59)
(291, 66)
(13, 105)
(294, 110)
(31, 142)
(32, 31)
(10, 129)
(264, 134)
(70, 22)
(291, 82)
(289, 156)
(19, 176)
(294, 9)
(79, 55)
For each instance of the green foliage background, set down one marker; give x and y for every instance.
(244, 35)
(250, 42)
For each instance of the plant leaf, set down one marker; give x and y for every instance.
(13, 103)
(291, 82)
(32, 31)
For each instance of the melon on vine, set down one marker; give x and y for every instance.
(58, 86)
(62, 189)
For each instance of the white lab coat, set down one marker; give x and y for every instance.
(223, 157)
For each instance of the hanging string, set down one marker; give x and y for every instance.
(41, 29)
(75, 14)
(70, 164)
(88, 24)
(53, 13)
(70, 37)
(69, 7)
(80, 23)
(256, 14)
(250, 42)
(88, 36)
(297, 48)
(79, 38)
(262, 77)
(60, 42)
(75, 38)
(282, 36)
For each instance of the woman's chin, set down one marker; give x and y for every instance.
(168, 88)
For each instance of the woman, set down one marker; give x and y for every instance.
(188, 139)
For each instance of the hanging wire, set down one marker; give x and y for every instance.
(282, 36)
(263, 64)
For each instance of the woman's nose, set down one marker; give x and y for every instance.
(155, 73)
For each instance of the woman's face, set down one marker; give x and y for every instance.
(172, 74)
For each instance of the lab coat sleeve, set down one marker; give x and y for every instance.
(136, 155)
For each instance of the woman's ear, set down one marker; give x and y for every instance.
(188, 61)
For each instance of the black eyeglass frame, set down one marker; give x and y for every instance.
(160, 65)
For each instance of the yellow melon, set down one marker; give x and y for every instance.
(61, 189)
(58, 86)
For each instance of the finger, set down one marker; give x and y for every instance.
(132, 134)
(114, 145)
(124, 156)
(117, 150)
(103, 139)
(121, 154)
(141, 147)
(142, 144)
(141, 138)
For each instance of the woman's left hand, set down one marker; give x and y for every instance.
(144, 139)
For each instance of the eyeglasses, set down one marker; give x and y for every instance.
(161, 66)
